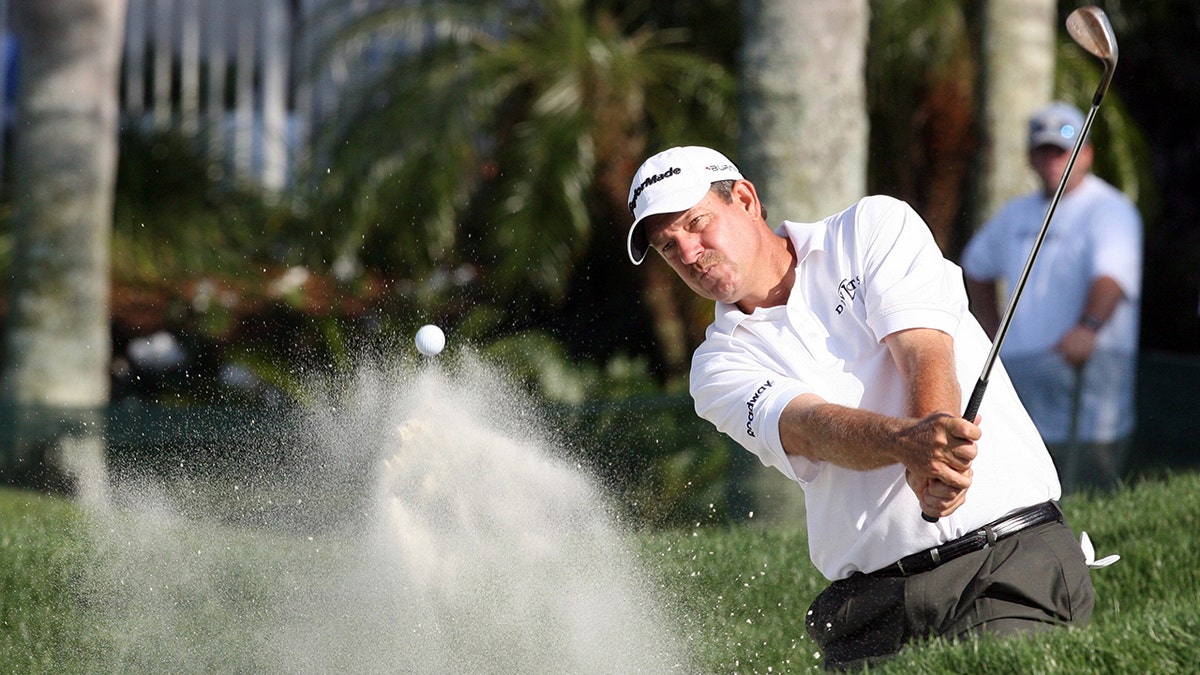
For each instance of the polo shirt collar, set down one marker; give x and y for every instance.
(806, 238)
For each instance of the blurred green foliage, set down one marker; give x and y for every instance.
(478, 182)
(177, 217)
(504, 138)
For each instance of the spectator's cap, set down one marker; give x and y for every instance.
(673, 180)
(1057, 124)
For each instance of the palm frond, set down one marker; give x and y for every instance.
(483, 131)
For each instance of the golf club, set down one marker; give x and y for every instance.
(1090, 28)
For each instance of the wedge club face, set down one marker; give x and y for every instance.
(1090, 28)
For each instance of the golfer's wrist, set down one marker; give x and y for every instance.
(1091, 322)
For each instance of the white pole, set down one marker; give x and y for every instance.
(275, 41)
(214, 104)
(189, 68)
(163, 51)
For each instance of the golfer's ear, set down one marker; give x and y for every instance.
(745, 195)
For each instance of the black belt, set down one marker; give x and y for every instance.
(976, 540)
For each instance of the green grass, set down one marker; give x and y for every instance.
(77, 591)
(737, 595)
(36, 563)
(744, 593)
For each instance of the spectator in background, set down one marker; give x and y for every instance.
(1071, 349)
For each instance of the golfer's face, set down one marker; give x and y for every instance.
(704, 245)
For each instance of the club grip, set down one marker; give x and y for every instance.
(976, 399)
(972, 409)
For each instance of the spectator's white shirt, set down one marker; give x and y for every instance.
(1096, 231)
(863, 274)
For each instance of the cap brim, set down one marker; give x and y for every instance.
(638, 244)
(1051, 139)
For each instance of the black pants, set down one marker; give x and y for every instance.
(1031, 581)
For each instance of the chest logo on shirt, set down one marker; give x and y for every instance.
(750, 406)
(846, 291)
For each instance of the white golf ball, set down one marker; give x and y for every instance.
(430, 340)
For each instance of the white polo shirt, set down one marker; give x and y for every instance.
(865, 273)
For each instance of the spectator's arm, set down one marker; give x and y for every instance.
(982, 294)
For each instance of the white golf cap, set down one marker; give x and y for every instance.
(1057, 124)
(673, 180)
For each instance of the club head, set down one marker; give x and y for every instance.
(1090, 28)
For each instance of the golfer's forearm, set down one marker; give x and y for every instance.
(925, 358)
(855, 439)
(931, 383)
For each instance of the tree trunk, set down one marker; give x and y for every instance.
(804, 131)
(1018, 43)
(58, 346)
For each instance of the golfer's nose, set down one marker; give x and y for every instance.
(689, 250)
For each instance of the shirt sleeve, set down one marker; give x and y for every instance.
(909, 283)
(979, 259)
(744, 400)
(1117, 244)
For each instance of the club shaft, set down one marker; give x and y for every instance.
(1002, 329)
(981, 384)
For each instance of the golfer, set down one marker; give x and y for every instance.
(839, 355)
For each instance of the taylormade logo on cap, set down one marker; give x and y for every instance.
(673, 180)
(637, 192)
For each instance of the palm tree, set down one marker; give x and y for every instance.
(921, 87)
(1018, 56)
(499, 133)
(56, 377)
(804, 103)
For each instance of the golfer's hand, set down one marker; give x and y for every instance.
(938, 499)
(940, 449)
